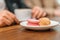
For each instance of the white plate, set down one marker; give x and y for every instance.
(53, 24)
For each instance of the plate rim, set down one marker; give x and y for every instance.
(41, 26)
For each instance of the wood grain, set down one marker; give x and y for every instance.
(16, 32)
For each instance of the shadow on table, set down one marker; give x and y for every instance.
(49, 30)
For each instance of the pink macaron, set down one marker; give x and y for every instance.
(33, 22)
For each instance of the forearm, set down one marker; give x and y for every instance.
(9, 5)
(29, 3)
(50, 12)
(37, 3)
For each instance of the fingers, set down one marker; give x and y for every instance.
(44, 14)
(9, 18)
(2, 22)
(7, 22)
(38, 12)
(13, 17)
(41, 14)
(35, 14)
(33, 10)
(17, 21)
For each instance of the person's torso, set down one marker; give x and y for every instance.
(41, 3)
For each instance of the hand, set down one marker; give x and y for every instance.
(38, 12)
(57, 12)
(7, 18)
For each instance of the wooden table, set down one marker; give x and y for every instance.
(16, 32)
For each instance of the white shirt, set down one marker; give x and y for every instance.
(2, 4)
(58, 1)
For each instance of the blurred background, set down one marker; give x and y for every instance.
(11, 5)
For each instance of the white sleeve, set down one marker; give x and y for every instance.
(58, 1)
(2, 5)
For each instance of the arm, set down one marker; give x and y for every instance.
(49, 7)
(11, 5)
(38, 12)
(29, 3)
(7, 18)
(49, 3)
(37, 3)
(49, 11)
(32, 3)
